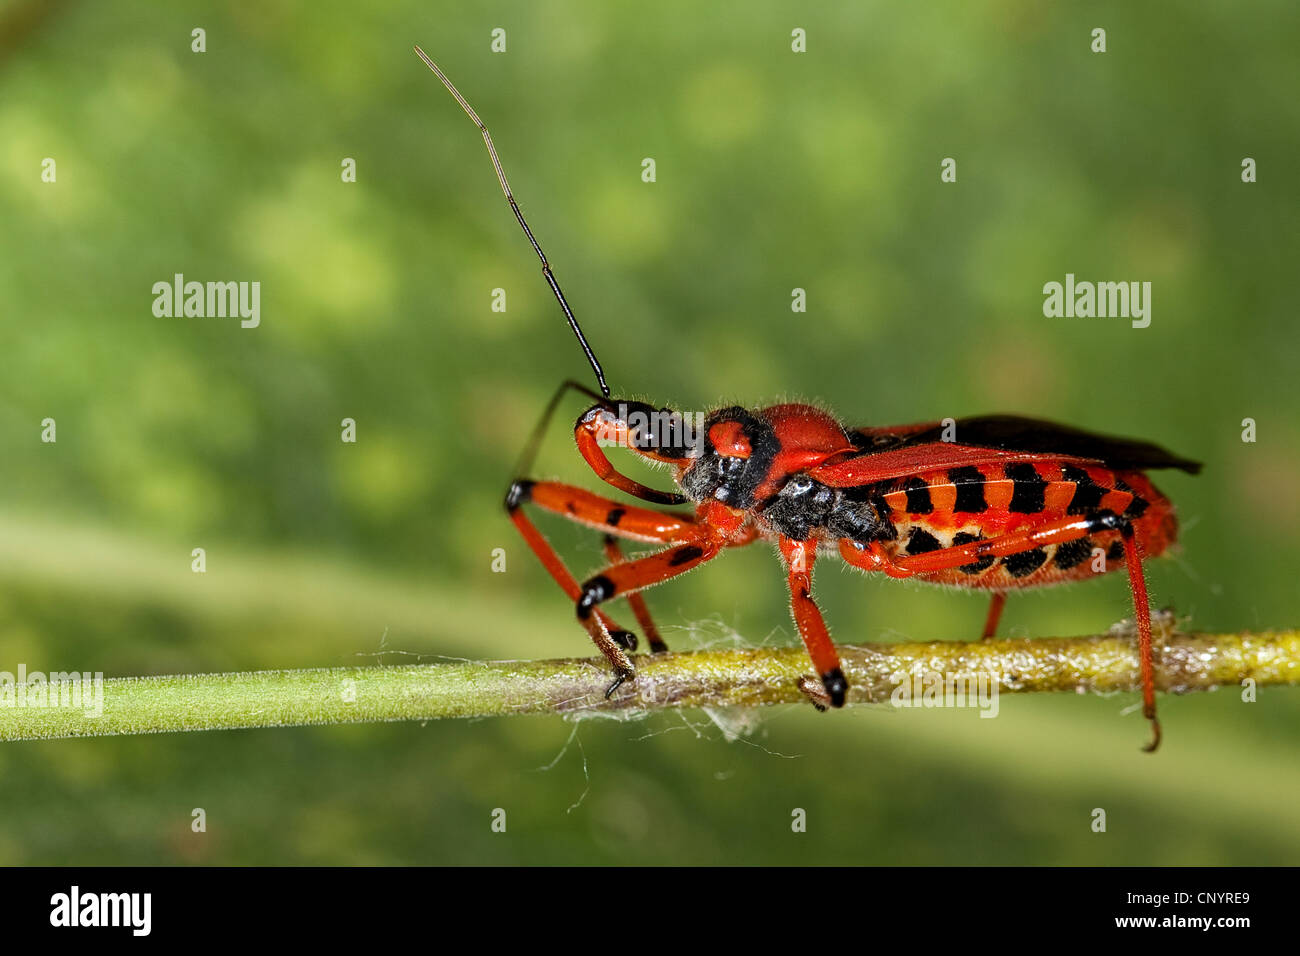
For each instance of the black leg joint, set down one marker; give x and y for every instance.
(1109, 521)
(596, 591)
(836, 686)
(624, 639)
(521, 490)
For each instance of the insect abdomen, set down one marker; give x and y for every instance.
(940, 509)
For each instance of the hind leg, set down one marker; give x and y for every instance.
(995, 614)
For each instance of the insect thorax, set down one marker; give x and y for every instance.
(800, 507)
(726, 478)
(804, 508)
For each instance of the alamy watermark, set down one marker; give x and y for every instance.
(1102, 300)
(84, 690)
(133, 911)
(215, 300)
(933, 689)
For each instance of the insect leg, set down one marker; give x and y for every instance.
(608, 637)
(621, 579)
(1014, 542)
(519, 492)
(995, 614)
(799, 556)
(601, 513)
(871, 558)
(1142, 613)
(595, 511)
(601, 424)
(615, 555)
(534, 444)
(1054, 532)
(714, 530)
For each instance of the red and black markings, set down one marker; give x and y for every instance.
(997, 502)
(968, 483)
(1071, 554)
(1028, 496)
(1087, 493)
(961, 516)
(979, 565)
(966, 504)
(918, 496)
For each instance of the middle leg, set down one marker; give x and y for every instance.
(595, 511)
(715, 528)
(615, 555)
(799, 557)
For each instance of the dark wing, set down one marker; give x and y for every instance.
(1015, 433)
(990, 439)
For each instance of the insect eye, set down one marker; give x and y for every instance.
(799, 485)
(729, 466)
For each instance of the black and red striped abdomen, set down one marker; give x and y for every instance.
(939, 509)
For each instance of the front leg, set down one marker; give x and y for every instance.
(716, 527)
(799, 557)
(582, 506)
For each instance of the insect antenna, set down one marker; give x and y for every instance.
(505, 188)
(526, 458)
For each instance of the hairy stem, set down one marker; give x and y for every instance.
(711, 678)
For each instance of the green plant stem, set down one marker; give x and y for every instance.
(711, 678)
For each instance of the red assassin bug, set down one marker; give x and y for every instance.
(1001, 504)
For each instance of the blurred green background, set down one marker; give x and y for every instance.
(775, 170)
